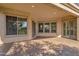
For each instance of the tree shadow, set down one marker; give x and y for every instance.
(47, 49)
(4, 48)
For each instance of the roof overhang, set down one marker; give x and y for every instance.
(71, 7)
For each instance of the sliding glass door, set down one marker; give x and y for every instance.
(69, 29)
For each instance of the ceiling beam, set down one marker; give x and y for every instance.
(75, 5)
(66, 8)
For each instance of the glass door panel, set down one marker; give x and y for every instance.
(64, 28)
(33, 28)
(40, 25)
(69, 29)
(47, 27)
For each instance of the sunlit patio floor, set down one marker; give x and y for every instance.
(45, 47)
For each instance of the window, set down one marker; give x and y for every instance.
(40, 27)
(53, 27)
(64, 28)
(22, 26)
(16, 25)
(47, 27)
(11, 25)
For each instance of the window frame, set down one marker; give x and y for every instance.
(7, 23)
(47, 24)
(17, 27)
(44, 22)
(39, 27)
(53, 26)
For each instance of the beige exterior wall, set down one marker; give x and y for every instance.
(29, 28)
(77, 28)
(2, 28)
(59, 27)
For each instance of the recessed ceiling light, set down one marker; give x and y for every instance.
(33, 6)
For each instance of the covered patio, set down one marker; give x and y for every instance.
(39, 29)
(28, 21)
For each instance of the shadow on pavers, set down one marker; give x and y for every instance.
(4, 48)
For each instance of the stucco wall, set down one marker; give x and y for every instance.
(77, 28)
(2, 30)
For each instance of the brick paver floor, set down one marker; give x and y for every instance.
(45, 47)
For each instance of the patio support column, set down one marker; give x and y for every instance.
(29, 27)
(36, 28)
(2, 28)
(77, 28)
(59, 30)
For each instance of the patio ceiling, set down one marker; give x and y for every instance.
(39, 10)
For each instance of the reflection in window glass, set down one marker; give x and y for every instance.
(15, 25)
(53, 27)
(47, 27)
(11, 25)
(68, 32)
(40, 27)
(71, 27)
(22, 26)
